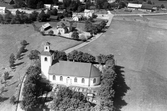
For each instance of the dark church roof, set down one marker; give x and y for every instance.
(75, 69)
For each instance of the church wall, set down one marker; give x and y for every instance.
(96, 83)
(69, 81)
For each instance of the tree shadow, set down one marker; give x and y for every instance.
(10, 77)
(18, 63)
(12, 83)
(120, 88)
(2, 99)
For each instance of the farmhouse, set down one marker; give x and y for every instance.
(68, 73)
(2, 10)
(48, 6)
(45, 27)
(88, 13)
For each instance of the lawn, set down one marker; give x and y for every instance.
(141, 51)
(10, 37)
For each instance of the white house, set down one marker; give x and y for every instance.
(68, 73)
(88, 13)
(2, 10)
(48, 6)
(134, 6)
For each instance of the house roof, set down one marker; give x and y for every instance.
(133, 5)
(147, 6)
(75, 69)
(88, 11)
(46, 25)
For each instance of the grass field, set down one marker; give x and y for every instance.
(141, 51)
(10, 37)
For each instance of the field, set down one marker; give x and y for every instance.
(140, 50)
(10, 37)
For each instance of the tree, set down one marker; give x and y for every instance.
(33, 70)
(1, 19)
(32, 3)
(102, 59)
(23, 43)
(75, 35)
(6, 76)
(18, 54)
(13, 100)
(60, 55)
(55, 2)
(34, 55)
(12, 60)
(54, 11)
(40, 5)
(106, 92)
(94, 30)
(68, 100)
(105, 5)
(34, 87)
(42, 17)
(88, 26)
(149, 2)
(162, 6)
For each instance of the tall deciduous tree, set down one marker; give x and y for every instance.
(34, 55)
(75, 35)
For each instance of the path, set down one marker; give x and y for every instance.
(18, 108)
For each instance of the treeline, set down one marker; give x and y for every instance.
(79, 56)
(94, 29)
(22, 17)
(73, 5)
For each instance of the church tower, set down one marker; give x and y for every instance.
(46, 59)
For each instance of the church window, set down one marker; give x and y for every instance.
(46, 58)
(61, 78)
(54, 77)
(83, 80)
(75, 79)
(94, 80)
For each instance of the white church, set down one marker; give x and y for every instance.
(68, 73)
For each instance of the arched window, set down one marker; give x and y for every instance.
(61, 78)
(83, 80)
(46, 59)
(54, 77)
(94, 80)
(75, 79)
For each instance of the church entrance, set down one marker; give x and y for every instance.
(69, 81)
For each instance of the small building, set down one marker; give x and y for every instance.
(2, 10)
(45, 27)
(147, 7)
(88, 13)
(68, 73)
(134, 6)
(48, 6)
(77, 17)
